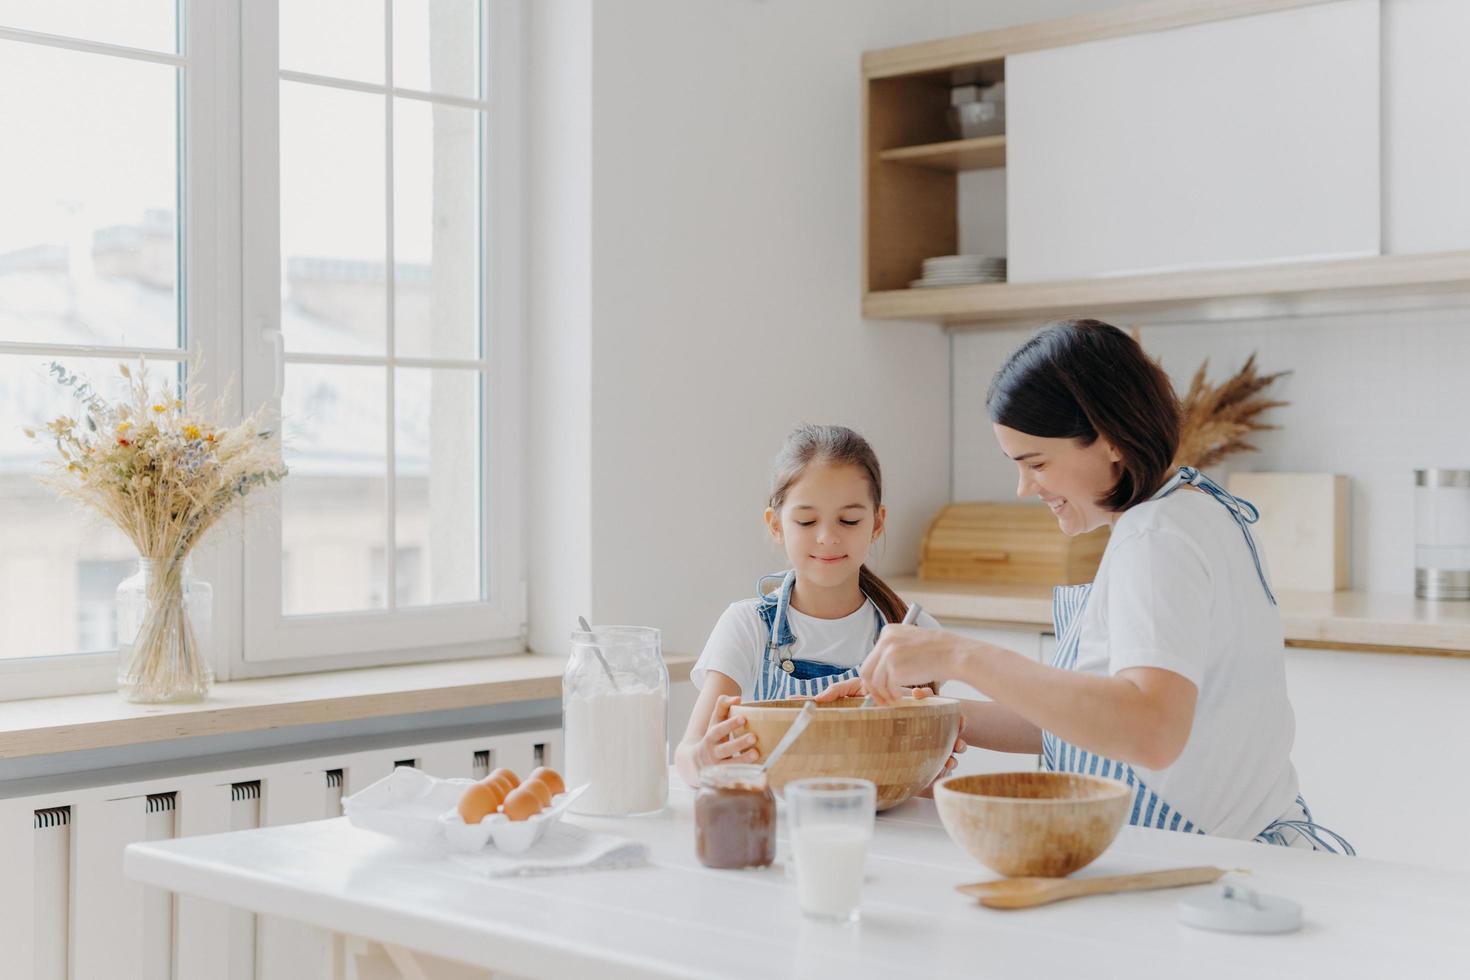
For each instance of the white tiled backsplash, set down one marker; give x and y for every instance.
(1373, 396)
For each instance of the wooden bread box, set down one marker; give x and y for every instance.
(1012, 544)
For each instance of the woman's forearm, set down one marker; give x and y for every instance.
(1141, 719)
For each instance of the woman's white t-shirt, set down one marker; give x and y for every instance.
(1177, 590)
(737, 644)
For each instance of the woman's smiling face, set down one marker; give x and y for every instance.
(827, 523)
(1066, 475)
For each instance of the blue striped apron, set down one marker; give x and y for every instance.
(1149, 809)
(781, 676)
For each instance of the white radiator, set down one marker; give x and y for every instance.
(68, 913)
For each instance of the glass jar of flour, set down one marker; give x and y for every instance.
(615, 709)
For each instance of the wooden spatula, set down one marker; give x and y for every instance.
(1023, 893)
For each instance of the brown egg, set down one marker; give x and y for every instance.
(502, 771)
(521, 804)
(503, 785)
(542, 791)
(552, 780)
(478, 801)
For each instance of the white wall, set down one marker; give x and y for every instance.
(723, 302)
(559, 309)
(1372, 396)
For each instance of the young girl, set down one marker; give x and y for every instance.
(815, 629)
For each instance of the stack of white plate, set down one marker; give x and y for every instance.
(962, 270)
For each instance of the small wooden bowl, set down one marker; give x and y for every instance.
(1032, 824)
(900, 747)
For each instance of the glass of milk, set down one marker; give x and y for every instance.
(831, 824)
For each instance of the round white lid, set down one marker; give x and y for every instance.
(1235, 908)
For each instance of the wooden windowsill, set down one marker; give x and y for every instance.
(90, 721)
(1336, 620)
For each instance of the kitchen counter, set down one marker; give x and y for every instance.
(1364, 918)
(1337, 620)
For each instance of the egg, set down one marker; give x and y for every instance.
(521, 804)
(551, 778)
(542, 791)
(502, 771)
(478, 802)
(503, 785)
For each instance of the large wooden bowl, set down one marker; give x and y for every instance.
(900, 747)
(1044, 824)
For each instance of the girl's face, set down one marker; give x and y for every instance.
(827, 523)
(1069, 477)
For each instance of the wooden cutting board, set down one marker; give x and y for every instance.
(1013, 544)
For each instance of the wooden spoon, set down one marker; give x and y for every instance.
(1023, 893)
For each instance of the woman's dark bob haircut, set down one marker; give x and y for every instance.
(1080, 379)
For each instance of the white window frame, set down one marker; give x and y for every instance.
(231, 308)
(210, 315)
(276, 643)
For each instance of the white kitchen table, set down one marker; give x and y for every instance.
(675, 918)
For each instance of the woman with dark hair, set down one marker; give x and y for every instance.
(1169, 671)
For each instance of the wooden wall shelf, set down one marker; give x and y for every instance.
(981, 153)
(1376, 282)
(911, 163)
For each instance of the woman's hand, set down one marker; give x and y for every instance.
(906, 655)
(721, 742)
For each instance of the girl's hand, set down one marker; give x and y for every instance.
(854, 688)
(721, 742)
(906, 655)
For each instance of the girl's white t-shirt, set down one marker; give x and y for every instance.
(1177, 590)
(737, 644)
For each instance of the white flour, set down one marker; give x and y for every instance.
(617, 742)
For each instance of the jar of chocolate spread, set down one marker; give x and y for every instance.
(734, 818)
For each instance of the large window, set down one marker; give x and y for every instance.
(90, 237)
(319, 199)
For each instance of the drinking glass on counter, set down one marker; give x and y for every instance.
(831, 824)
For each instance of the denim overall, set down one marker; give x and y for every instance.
(1149, 809)
(781, 676)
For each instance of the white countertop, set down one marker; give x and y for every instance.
(1336, 620)
(1364, 918)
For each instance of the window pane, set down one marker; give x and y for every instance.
(88, 243)
(333, 221)
(436, 46)
(146, 24)
(436, 230)
(333, 505)
(437, 451)
(59, 563)
(338, 38)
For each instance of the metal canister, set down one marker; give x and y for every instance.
(1442, 534)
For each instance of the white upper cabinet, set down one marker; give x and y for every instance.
(1426, 132)
(1237, 142)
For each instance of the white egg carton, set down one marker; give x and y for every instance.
(412, 805)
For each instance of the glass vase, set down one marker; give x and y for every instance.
(163, 631)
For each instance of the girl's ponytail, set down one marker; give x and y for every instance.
(888, 602)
